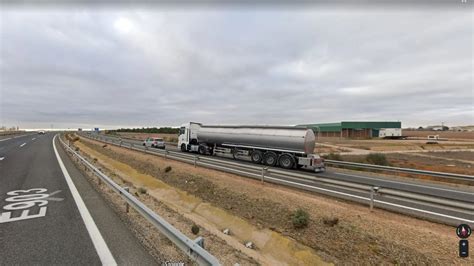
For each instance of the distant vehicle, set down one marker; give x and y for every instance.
(154, 143)
(41, 132)
(432, 139)
(287, 147)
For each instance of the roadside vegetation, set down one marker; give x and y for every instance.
(164, 130)
(322, 226)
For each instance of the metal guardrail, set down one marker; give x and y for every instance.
(401, 170)
(294, 179)
(192, 248)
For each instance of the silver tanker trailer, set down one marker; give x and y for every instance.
(287, 147)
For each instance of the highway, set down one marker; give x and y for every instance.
(51, 214)
(433, 201)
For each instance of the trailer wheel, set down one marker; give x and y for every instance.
(183, 147)
(202, 150)
(256, 156)
(286, 161)
(270, 158)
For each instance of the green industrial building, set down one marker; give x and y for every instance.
(358, 129)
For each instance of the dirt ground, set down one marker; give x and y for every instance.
(461, 155)
(160, 247)
(442, 134)
(359, 237)
(380, 145)
(427, 161)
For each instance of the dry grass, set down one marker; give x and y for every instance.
(406, 160)
(442, 134)
(358, 236)
(143, 136)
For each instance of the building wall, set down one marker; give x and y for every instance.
(353, 129)
(356, 133)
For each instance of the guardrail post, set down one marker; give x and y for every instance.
(373, 191)
(264, 170)
(166, 154)
(196, 159)
(200, 241)
(120, 144)
(127, 206)
(99, 181)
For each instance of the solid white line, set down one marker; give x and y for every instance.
(101, 247)
(1, 158)
(379, 201)
(22, 144)
(355, 196)
(410, 184)
(5, 139)
(33, 138)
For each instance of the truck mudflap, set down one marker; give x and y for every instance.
(318, 164)
(313, 161)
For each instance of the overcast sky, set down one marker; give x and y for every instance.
(86, 67)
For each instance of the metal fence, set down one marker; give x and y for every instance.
(193, 248)
(401, 170)
(371, 193)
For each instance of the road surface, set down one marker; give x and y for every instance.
(50, 213)
(449, 215)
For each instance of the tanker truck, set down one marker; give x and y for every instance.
(283, 146)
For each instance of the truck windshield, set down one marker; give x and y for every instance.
(181, 130)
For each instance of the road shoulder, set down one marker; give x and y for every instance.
(124, 246)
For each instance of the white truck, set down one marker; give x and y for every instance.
(287, 147)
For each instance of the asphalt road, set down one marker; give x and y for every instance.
(420, 187)
(45, 219)
(417, 186)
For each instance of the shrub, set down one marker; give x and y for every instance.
(142, 190)
(377, 158)
(195, 229)
(300, 218)
(76, 149)
(167, 169)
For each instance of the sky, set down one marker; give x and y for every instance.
(110, 67)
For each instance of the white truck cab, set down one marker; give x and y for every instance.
(187, 140)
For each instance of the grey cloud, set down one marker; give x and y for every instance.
(114, 68)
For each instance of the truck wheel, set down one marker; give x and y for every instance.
(270, 158)
(256, 156)
(183, 147)
(202, 150)
(286, 161)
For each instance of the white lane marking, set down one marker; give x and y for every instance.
(379, 201)
(33, 138)
(22, 144)
(99, 243)
(1, 158)
(5, 139)
(409, 184)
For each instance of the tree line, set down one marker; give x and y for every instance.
(164, 130)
